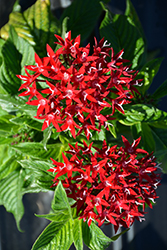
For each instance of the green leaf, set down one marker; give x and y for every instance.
(46, 136)
(147, 137)
(11, 194)
(77, 234)
(58, 235)
(6, 124)
(36, 150)
(58, 217)
(115, 237)
(5, 139)
(94, 238)
(16, 53)
(37, 25)
(82, 19)
(8, 166)
(160, 138)
(131, 12)
(161, 91)
(29, 121)
(1, 44)
(60, 201)
(143, 113)
(115, 28)
(148, 72)
(9, 104)
(43, 178)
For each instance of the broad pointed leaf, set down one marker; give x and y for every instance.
(60, 201)
(115, 29)
(42, 177)
(37, 25)
(11, 194)
(36, 150)
(94, 238)
(82, 19)
(58, 235)
(16, 53)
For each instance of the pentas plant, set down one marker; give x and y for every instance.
(111, 185)
(81, 91)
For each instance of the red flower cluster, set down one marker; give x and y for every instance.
(71, 89)
(111, 185)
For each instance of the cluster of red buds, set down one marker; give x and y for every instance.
(75, 90)
(111, 185)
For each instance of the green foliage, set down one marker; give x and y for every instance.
(24, 163)
(65, 229)
(115, 29)
(37, 25)
(82, 20)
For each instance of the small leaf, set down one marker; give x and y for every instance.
(94, 238)
(115, 237)
(60, 201)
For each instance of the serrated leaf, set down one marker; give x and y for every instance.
(115, 29)
(11, 194)
(36, 150)
(60, 200)
(82, 19)
(58, 235)
(37, 25)
(94, 238)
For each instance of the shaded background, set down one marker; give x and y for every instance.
(150, 234)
